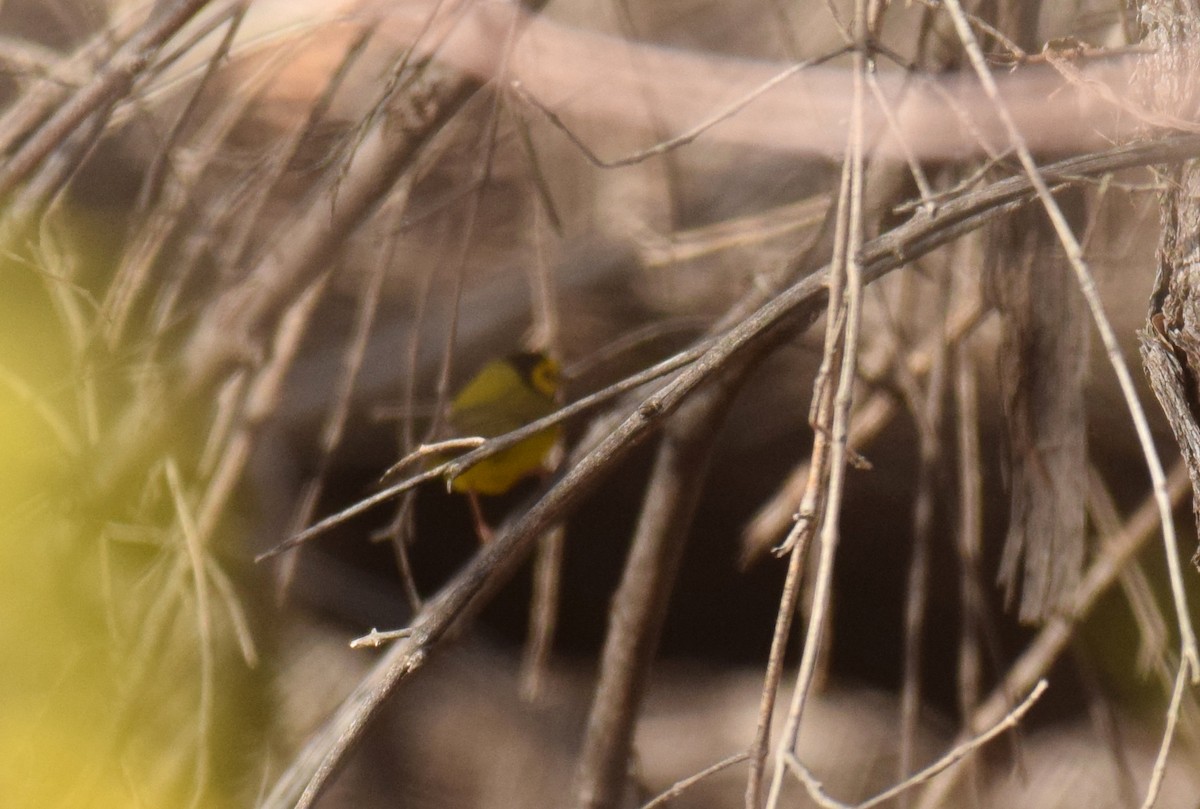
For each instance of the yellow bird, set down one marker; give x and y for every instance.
(504, 395)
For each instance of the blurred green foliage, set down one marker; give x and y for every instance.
(124, 678)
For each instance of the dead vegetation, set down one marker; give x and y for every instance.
(861, 503)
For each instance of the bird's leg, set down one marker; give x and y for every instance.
(482, 529)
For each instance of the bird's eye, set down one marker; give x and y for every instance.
(544, 377)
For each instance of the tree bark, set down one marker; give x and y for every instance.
(1171, 338)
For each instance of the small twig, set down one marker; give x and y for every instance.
(843, 320)
(1010, 720)
(798, 541)
(870, 417)
(958, 189)
(1164, 750)
(929, 426)
(425, 451)
(375, 638)
(1018, 53)
(543, 612)
(628, 341)
(1114, 555)
(679, 140)
(113, 81)
(679, 787)
(347, 513)
(924, 190)
(659, 249)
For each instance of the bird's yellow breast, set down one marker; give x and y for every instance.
(504, 396)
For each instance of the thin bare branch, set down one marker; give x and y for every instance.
(1114, 555)
(970, 533)
(773, 675)
(1160, 762)
(684, 785)
(843, 321)
(1190, 654)
(640, 603)
(308, 774)
(955, 756)
(111, 83)
(682, 139)
(930, 453)
(543, 612)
